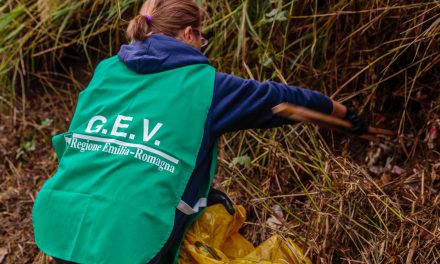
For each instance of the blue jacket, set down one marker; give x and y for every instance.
(237, 103)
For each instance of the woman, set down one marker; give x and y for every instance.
(136, 165)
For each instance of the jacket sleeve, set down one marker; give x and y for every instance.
(242, 104)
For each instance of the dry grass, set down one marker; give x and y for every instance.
(341, 199)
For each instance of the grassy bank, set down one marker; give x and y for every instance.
(342, 199)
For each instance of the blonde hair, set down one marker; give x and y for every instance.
(168, 17)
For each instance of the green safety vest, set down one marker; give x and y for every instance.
(124, 164)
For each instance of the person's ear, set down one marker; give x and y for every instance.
(188, 34)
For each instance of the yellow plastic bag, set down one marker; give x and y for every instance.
(214, 239)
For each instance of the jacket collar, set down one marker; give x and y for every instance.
(159, 53)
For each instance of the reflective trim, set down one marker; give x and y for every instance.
(186, 209)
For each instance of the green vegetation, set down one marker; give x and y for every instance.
(342, 197)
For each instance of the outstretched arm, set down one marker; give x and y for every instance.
(242, 104)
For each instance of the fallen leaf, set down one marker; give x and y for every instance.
(274, 222)
(277, 219)
(397, 170)
(242, 160)
(278, 212)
